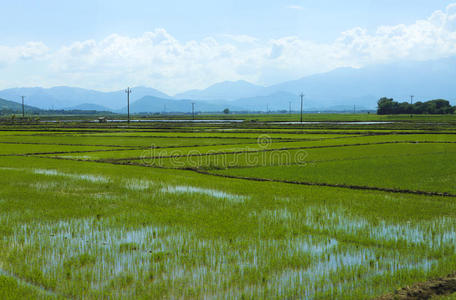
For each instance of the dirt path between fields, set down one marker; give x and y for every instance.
(280, 149)
(121, 148)
(425, 290)
(62, 144)
(67, 152)
(345, 186)
(203, 172)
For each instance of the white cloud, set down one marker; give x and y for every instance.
(33, 50)
(29, 51)
(241, 38)
(297, 7)
(159, 60)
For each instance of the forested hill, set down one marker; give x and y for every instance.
(7, 107)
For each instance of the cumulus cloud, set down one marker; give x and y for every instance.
(29, 51)
(155, 58)
(426, 39)
(160, 60)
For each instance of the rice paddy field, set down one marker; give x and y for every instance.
(260, 209)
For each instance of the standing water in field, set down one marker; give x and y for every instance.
(209, 192)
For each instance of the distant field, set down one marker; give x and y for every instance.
(248, 210)
(413, 167)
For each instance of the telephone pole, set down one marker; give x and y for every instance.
(354, 108)
(23, 112)
(411, 99)
(267, 108)
(289, 107)
(128, 91)
(193, 110)
(302, 100)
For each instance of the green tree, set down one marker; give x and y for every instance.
(437, 106)
(385, 106)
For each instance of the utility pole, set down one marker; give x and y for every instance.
(128, 91)
(411, 99)
(302, 100)
(267, 108)
(289, 107)
(23, 112)
(354, 108)
(164, 108)
(193, 110)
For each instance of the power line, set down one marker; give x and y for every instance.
(128, 91)
(23, 111)
(193, 110)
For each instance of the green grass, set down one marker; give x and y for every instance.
(120, 141)
(432, 171)
(14, 149)
(14, 288)
(313, 117)
(155, 151)
(81, 229)
(298, 152)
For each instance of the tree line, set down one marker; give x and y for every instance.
(387, 106)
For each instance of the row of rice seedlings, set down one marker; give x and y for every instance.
(94, 251)
(142, 185)
(12, 287)
(367, 249)
(73, 243)
(197, 190)
(99, 258)
(432, 174)
(107, 257)
(88, 177)
(435, 237)
(130, 184)
(203, 158)
(119, 141)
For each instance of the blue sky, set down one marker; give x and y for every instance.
(177, 45)
(57, 22)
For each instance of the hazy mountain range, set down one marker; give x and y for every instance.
(71, 97)
(339, 89)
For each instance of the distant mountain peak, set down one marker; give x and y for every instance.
(226, 90)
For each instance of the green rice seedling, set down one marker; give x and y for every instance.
(84, 229)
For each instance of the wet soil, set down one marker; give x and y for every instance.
(425, 290)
